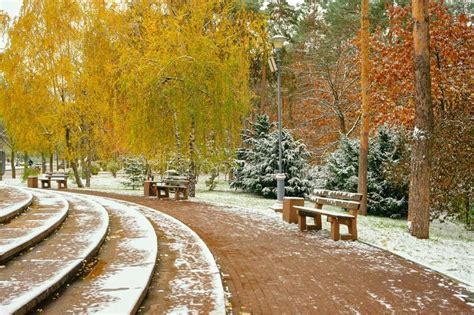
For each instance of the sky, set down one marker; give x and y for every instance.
(11, 6)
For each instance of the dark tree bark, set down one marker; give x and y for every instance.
(13, 164)
(192, 162)
(51, 162)
(364, 131)
(43, 163)
(73, 162)
(420, 168)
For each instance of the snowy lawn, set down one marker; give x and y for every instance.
(449, 249)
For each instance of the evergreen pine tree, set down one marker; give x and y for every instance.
(135, 170)
(257, 162)
(387, 172)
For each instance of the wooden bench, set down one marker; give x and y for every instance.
(344, 200)
(60, 178)
(177, 184)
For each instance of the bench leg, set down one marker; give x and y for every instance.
(185, 193)
(317, 222)
(335, 236)
(302, 222)
(352, 227)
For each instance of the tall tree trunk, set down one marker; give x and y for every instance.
(263, 85)
(13, 163)
(177, 136)
(75, 170)
(73, 162)
(364, 131)
(192, 161)
(420, 168)
(88, 172)
(25, 162)
(43, 163)
(51, 162)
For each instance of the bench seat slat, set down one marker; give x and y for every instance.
(337, 203)
(325, 212)
(337, 194)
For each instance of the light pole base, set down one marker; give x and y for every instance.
(280, 186)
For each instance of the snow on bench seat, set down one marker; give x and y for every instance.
(28, 279)
(46, 213)
(12, 202)
(119, 281)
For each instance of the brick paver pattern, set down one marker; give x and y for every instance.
(270, 267)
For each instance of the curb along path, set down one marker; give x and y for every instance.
(271, 267)
(187, 279)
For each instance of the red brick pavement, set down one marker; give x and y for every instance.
(272, 268)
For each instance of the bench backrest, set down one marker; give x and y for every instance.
(341, 199)
(58, 174)
(176, 180)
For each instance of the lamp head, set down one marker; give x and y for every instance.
(278, 41)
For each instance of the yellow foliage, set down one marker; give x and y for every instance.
(94, 78)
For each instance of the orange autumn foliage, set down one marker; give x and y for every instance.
(451, 45)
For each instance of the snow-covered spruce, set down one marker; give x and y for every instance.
(135, 171)
(257, 161)
(387, 172)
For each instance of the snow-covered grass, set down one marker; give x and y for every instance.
(449, 249)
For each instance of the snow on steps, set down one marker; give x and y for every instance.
(12, 202)
(45, 214)
(119, 281)
(196, 285)
(29, 278)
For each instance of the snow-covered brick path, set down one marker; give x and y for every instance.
(119, 280)
(449, 249)
(12, 200)
(196, 283)
(46, 213)
(49, 264)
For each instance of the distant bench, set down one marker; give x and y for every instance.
(344, 200)
(179, 185)
(59, 177)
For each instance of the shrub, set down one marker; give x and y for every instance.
(95, 168)
(30, 171)
(113, 167)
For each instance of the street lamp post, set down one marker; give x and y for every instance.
(278, 41)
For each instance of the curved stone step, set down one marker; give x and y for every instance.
(45, 214)
(119, 281)
(12, 202)
(188, 280)
(29, 278)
